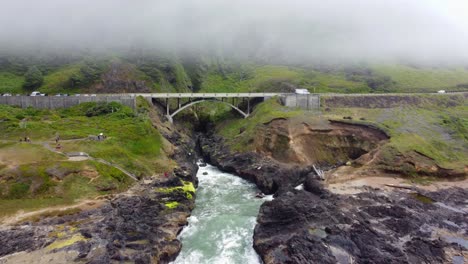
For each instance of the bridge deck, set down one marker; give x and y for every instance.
(206, 95)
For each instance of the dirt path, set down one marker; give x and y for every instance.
(21, 215)
(359, 185)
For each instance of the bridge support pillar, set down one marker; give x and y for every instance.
(167, 107)
(169, 118)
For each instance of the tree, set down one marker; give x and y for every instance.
(33, 78)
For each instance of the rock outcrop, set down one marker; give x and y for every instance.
(313, 225)
(140, 225)
(301, 226)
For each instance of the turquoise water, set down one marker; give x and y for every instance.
(221, 227)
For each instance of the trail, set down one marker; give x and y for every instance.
(21, 215)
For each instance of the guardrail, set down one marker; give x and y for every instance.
(206, 95)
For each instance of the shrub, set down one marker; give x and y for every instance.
(33, 78)
(103, 108)
(18, 190)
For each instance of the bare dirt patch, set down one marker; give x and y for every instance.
(385, 183)
(22, 216)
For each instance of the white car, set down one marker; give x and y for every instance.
(36, 93)
(302, 91)
(441, 91)
(6, 94)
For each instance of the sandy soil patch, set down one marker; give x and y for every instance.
(78, 158)
(21, 215)
(41, 256)
(354, 186)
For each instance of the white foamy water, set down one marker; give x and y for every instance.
(220, 230)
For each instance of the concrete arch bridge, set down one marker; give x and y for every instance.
(241, 102)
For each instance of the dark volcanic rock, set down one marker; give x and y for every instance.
(136, 227)
(19, 239)
(370, 227)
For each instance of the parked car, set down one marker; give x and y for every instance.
(60, 94)
(441, 91)
(37, 93)
(302, 91)
(6, 94)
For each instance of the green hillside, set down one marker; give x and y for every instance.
(11, 83)
(152, 73)
(33, 176)
(408, 79)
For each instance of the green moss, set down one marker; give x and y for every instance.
(187, 188)
(58, 244)
(422, 198)
(171, 205)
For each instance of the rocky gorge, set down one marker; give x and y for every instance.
(307, 223)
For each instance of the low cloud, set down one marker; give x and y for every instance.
(303, 31)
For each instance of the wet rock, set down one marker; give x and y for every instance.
(370, 227)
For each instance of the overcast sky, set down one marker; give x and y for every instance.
(297, 30)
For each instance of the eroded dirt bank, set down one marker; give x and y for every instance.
(319, 143)
(309, 224)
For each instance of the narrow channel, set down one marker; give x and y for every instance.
(220, 229)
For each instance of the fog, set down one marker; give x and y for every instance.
(305, 31)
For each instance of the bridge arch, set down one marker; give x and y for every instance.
(170, 116)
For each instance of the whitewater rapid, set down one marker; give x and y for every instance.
(220, 229)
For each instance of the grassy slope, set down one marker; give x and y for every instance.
(409, 79)
(437, 132)
(10, 83)
(406, 78)
(132, 143)
(58, 80)
(261, 78)
(229, 78)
